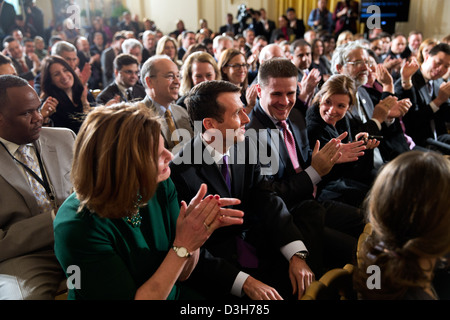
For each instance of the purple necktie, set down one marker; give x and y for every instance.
(290, 145)
(225, 172)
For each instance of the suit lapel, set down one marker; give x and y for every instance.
(15, 177)
(164, 128)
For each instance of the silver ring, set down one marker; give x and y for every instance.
(206, 226)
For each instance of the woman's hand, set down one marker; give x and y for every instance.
(369, 143)
(49, 107)
(202, 217)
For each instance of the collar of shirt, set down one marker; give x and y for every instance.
(160, 108)
(275, 121)
(216, 155)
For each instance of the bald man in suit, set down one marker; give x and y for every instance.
(161, 79)
(28, 204)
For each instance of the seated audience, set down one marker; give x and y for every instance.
(424, 49)
(255, 260)
(410, 224)
(107, 58)
(145, 236)
(35, 181)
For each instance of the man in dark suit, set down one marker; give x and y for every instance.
(382, 119)
(296, 24)
(28, 266)
(7, 18)
(25, 67)
(426, 121)
(229, 28)
(126, 86)
(269, 25)
(273, 241)
(274, 110)
(187, 39)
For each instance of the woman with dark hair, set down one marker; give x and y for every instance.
(319, 61)
(233, 68)
(408, 208)
(59, 81)
(123, 226)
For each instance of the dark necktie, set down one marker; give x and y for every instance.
(129, 94)
(171, 125)
(226, 172)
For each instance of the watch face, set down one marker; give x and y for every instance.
(182, 252)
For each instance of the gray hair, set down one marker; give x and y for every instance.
(147, 33)
(219, 39)
(130, 44)
(149, 68)
(340, 55)
(62, 46)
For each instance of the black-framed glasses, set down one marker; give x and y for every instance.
(238, 66)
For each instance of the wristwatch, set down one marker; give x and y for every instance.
(302, 254)
(182, 252)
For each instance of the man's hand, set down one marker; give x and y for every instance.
(256, 290)
(323, 161)
(381, 110)
(399, 109)
(351, 151)
(300, 275)
(308, 84)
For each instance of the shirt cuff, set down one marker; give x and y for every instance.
(313, 175)
(434, 107)
(377, 123)
(238, 284)
(291, 248)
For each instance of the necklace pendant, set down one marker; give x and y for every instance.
(134, 220)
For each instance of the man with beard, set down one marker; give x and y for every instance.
(380, 120)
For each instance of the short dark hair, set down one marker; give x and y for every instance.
(9, 81)
(276, 68)
(8, 39)
(202, 103)
(299, 43)
(124, 59)
(440, 47)
(4, 59)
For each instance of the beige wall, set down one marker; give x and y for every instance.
(429, 16)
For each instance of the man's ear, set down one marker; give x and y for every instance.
(258, 90)
(339, 68)
(208, 123)
(148, 81)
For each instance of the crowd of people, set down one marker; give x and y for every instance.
(117, 157)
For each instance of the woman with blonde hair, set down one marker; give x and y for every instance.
(168, 46)
(409, 210)
(198, 67)
(344, 37)
(123, 227)
(424, 49)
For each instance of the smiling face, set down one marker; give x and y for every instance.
(61, 77)
(20, 120)
(236, 70)
(278, 96)
(234, 118)
(202, 71)
(355, 67)
(436, 66)
(333, 108)
(165, 84)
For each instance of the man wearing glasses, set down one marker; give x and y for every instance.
(379, 120)
(161, 79)
(126, 86)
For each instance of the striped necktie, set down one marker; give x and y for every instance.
(23, 154)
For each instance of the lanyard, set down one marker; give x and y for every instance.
(44, 181)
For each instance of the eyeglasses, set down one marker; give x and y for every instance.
(130, 72)
(359, 63)
(238, 66)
